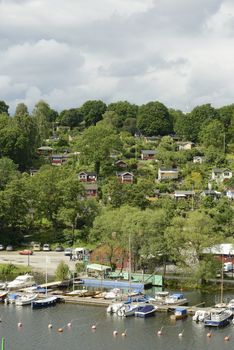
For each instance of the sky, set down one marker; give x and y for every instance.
(178, 52)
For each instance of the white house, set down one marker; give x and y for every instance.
(221, 174)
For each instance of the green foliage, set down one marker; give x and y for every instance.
(93, 111)
(153, 119)
(71, 117)
(3, 107)
(62, 271)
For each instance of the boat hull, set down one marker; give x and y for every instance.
(219, 324)
(43, 303)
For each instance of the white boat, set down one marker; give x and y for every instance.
(113, 308)
(21, 281)
(26, 299)
(112, 294)
(218, 318)
(201, 315)
(127, 310)
(176, 299)
(160, 297)
(230, 305)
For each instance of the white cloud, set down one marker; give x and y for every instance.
(68, 51)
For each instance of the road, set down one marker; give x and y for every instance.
(37, 261)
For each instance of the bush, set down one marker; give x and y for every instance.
(62, 271)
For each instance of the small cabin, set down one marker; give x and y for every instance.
(91, 190)
(87, 176)
(125, 177)
(148, 154)
(168, 174)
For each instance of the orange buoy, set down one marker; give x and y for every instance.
(49, 325)
(209, 334)
(20, 324)
(60, 330)
(115, 333)
(226, 338)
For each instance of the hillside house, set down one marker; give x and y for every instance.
(121, 164)
(168, 174)
(58, 159)
(125, 177)
(32, 172)
(230, 193)
(184, 194)
(87, 176)
(185, 146)
(211, 193)
(45, 151)
(198, 159)
(91, 190)
(148, 154)
(221, 175)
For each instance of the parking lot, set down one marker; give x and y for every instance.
(38, 260)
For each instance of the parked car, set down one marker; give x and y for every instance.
(9, 247)
(26, 252)
(59, 248)
(37, 246)
(68, 251)
(2, 247)
(46, 247)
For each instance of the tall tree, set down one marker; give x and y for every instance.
(3, 107)
(153, 119)
(92, 111)
(21, 109)
(71, 117)
(44, 117)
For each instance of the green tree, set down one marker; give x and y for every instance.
(96, 144)
(3, 107)
(153, 119)
(212, 134)
(93, 111)
(62, 271)
(44, 117)
(71, 117)
(21, 109)
(8, 171)
(124, 110)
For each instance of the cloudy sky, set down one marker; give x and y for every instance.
(179, 52)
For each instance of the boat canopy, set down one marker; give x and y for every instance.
(98, 267)
(177, 296)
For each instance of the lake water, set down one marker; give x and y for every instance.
(141, 333)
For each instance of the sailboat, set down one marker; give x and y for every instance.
(221, 304)
(46, 301)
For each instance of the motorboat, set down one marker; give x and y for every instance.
(113, 308)
(11, 298)
(45, 302)
(201, 315)
(21, 281)
(230, 305)
(3, 294)
(176, 299)
(179, 314)
(218, 318)
(127, 310)
(112, 294)
(160, 297)
(146, 310)
(26, 299)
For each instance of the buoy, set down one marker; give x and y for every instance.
(160, 331)
(209, 334)
(115, 333)
(69, 324)
(124, 333)
(226, 338)
(94, 327)
(20, 324)
(49, 325)
(181, 334)
(60, 330)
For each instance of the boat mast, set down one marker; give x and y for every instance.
(221, 290)
(130, 261)
(46, 277)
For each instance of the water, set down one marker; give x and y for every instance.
(141, 333)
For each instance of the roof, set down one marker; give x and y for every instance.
(124, 173)
(220, 249)
(184, 193)
(45, 148)
(168, 169)
(148, 151)
(98, 267)
(88, 173)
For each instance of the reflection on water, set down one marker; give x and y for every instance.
(141, 333)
